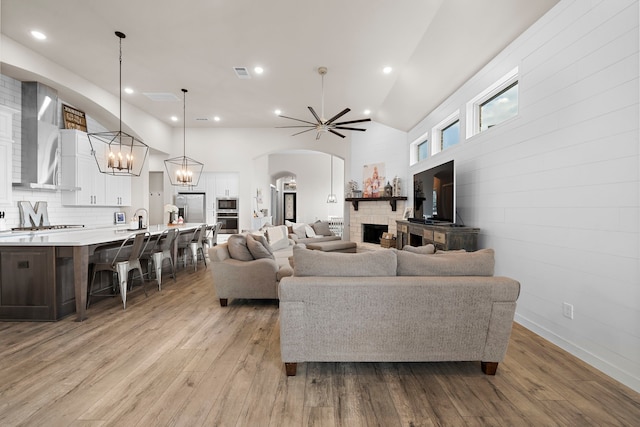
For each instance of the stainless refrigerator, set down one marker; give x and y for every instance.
(191, 206)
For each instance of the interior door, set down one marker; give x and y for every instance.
(156, 198)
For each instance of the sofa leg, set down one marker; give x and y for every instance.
(489, 368)
(290, 369)
(223, 302)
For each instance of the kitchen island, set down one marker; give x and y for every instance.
(44, 274)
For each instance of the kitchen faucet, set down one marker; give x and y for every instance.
(146, 216)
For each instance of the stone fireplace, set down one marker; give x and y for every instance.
(373, 212)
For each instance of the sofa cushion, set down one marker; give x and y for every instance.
(309, 230)
(331, 264)
(479, 263)
(297, 228)
(237, 245)
(321, 228)
(277, 237)
(259, 247)
(424, 250)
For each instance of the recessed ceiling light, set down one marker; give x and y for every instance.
(216, 118)
(277, 112)
(366, 112)
(128, 90)
(258, 70)
(174, 119)
(387, 70)
(38, 35)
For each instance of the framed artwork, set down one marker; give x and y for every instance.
(290, 207)
(119, 218)
(373, 181)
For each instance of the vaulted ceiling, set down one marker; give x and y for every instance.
(433, 47)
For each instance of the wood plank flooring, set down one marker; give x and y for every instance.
(176, 358)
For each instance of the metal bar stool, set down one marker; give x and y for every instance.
(121, 264)
(162, 250)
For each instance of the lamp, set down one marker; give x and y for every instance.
(332, 197)
(117, 152)
(184, 171)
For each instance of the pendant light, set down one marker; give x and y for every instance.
(117, 152)
(184, 171)
(332, 197)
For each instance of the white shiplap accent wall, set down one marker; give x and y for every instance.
(556, 191)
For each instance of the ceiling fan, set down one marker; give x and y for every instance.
(323, 125)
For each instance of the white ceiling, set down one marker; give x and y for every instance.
(433, 46)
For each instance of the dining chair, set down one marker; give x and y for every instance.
(161, 250)
(125, 260)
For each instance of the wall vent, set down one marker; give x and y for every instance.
(202, 119)
(161, 96)
(242, 72)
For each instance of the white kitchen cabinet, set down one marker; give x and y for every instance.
(227, 184)
(79, 169)
(6, 144)
(118, 190)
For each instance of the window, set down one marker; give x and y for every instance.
(423, 150)
(450, 135)
(500, 107)
(419, 149)
(494, 105)
(446, 134)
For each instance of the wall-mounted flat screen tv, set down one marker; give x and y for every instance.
(434, 193)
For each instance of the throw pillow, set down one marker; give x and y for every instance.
(321, 228)
(277, 237)
(425, 250)
(259, 247)
(237, 245)
(307, 262)
(300, 231)
(479, 263)
(309, 231)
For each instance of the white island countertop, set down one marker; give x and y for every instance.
(80, 236)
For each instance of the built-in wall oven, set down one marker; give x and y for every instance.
(227, 214)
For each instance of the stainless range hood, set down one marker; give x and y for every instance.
(40, 139)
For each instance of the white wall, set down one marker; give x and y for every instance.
(556, 190)
(312, 170)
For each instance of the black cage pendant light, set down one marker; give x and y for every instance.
(184, 171)
(117, 152)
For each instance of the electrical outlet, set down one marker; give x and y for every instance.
(567, 310)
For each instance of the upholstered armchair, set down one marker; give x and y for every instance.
(237, 273)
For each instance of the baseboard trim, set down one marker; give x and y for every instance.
(582, 354)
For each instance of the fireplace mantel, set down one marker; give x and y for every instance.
(392, 201)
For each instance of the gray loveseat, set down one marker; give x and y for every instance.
(395, 306)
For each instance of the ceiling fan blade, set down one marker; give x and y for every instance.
(347, 128)
(337, 116)
(296, 126)
(314, 114)
(302, 132)
(352, 121)
(303, 121)
(337, 133)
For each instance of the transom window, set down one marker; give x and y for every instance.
(450, 135)
(500, 107)
(423, 150)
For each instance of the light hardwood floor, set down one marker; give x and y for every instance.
(178, 358)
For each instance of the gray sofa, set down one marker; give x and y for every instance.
(299, 233)
(246, 267)
(395, 306)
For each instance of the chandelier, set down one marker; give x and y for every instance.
(184, 171)
(117, 152)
